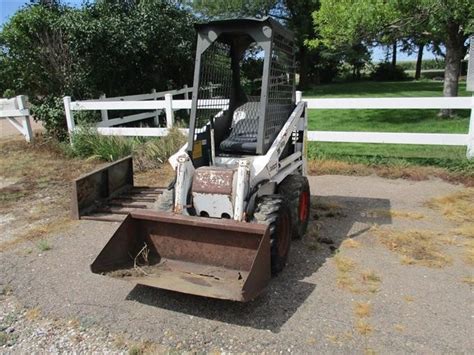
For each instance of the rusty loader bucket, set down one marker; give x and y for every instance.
(216, 258)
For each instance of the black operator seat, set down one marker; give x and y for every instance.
(243, 135)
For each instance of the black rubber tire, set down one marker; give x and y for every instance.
(165, 201)
(292, 189)
(273, 210)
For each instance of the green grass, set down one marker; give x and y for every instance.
(421, 121)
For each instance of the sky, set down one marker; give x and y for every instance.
(9, 7)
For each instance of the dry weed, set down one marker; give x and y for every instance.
(350, 243)
(38, 232)
(371, 281)
(370, 276)
(458, 207)
(408, 299)
(469, 252)
(41, 192)
(33, 314)
(345, 281)
(331, 167)
(406, 260)
(332, 338)
(343, 263)
(415, 246)
(395, 213)
(399, 327)
(159, 176)
(416, 173)
(468, 280)
(363, 327)
(465, 230)
(362, 309)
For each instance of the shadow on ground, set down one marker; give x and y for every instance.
(333, 219)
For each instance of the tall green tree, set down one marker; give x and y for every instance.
(116, 47)
(443, 21)
(313, 64)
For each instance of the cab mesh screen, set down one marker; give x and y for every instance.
(215, 81)
(281, 82)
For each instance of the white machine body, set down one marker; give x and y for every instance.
(223, 189)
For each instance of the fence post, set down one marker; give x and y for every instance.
(27, 131)
(69, 116)
(104, 113)
(470, 135)
(298, 96)
(169, 110)
(156, 118)
(186, 96)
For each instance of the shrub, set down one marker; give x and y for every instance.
(49, 49)
(50, 111)
(387, 72)
(426, 64)
(8, 94)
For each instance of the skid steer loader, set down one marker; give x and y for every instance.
(240, 194)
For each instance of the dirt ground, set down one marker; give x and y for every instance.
(354, 283)
(8, 131)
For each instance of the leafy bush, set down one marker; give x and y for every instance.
(49, 50)
(387, 72)
(426, 64)
(50, 111)
(8, 94)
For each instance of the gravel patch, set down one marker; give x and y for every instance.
(413, 308)
(26, 331)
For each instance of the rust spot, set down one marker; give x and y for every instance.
(213, 180)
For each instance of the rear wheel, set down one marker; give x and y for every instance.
(273, 211)
(295, 191)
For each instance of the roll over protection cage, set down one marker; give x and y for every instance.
(229, 39)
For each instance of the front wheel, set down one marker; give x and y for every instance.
(273, 211)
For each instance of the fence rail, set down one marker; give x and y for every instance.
(169, 105)
(133, 102)
(15, 109)
(396, 138)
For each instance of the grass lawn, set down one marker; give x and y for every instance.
(423, 121)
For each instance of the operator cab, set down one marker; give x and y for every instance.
(244, 88)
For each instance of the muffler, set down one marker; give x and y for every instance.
(218, 258)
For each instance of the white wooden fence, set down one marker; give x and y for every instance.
(15, 109)
(397, 138)
(166, 96)
(170, 105)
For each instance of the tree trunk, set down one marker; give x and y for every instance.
(394, 54)
(419, 61)
(303, 56)
(452, 68)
